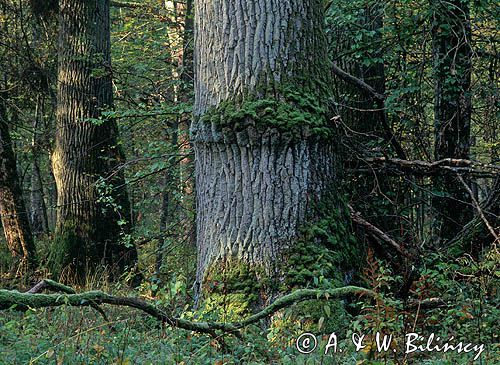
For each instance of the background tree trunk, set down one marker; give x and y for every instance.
(260, 92)
(178, 179)
(451, 35)
(93, 207)
(13, 212)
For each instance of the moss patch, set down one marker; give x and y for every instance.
(234, 289)
(66, 247)
(291, 112)
(326, 249)
(326, 253)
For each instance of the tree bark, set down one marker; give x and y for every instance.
(93, 207)
(13, 212)
(260, 86)
(451, 35)
(186, 165)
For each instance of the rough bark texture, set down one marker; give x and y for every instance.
(86, 148)
(452, 113)
(256, 178)
(13, 212)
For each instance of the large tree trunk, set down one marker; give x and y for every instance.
(452, 113)
(263, 152)
(93, 207)
(13, 212)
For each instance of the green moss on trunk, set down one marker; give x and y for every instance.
(67, 251)
(292, 113)
(325, 253)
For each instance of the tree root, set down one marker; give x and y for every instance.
(12, 299)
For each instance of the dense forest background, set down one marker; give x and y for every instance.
(197, 162)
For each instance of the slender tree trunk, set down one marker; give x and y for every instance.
(13, 212)
(186, 165)
(167, 203)
(374, 195)
(39, 219)
(93, 207)
(451, 34)
(175, 179)
(261, 163)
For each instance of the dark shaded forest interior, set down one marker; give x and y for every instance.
(249, 182)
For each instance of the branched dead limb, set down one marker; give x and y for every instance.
(58, 287)
(379, 100)
(53, 285)
(423, 168)
(33, 299)
(474, 231)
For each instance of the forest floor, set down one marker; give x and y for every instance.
(70, 335)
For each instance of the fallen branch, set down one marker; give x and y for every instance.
(360, 84)
(480, 211)
(378, 233)
(123, 4)
(55, 286)
(23, 301)
(51, 284)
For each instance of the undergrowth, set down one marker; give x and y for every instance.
(469, 310)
